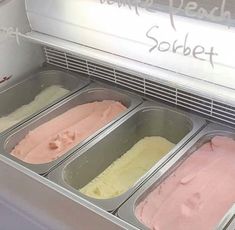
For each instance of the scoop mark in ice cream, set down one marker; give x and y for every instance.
(62, 140)
(187, 179)
(54, 138)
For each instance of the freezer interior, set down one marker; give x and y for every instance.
(188, 183)
(82, 117)
(126, 155)
(176, 53)
(43, 88)
(155, 122)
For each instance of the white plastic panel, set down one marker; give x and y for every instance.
(17, 57)
(122, 32)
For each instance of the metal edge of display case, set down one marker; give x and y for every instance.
(126, 211)
(112, 204)
(58, 109)
(82, 82)
(47, 204)
(228, 222)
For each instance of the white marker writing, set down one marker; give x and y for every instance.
(198, 52)
(191, 9)
(10, 32)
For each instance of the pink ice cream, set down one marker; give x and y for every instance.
(197, 194)
(54, 138)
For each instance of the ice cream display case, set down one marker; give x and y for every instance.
(117, 114)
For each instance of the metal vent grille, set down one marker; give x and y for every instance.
(163, 92)
(223, 112)
(194, 102)
(66, 61)
(143, 85)
(101, 72)
(133, 82)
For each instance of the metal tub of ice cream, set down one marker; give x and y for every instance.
(197, 184)
(36, 93)
(147, 127)
(47, 139)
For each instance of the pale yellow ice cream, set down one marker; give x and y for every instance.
(125, 171)
(44, 98)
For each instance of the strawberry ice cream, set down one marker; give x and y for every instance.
(54, 138)
(197, 194)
